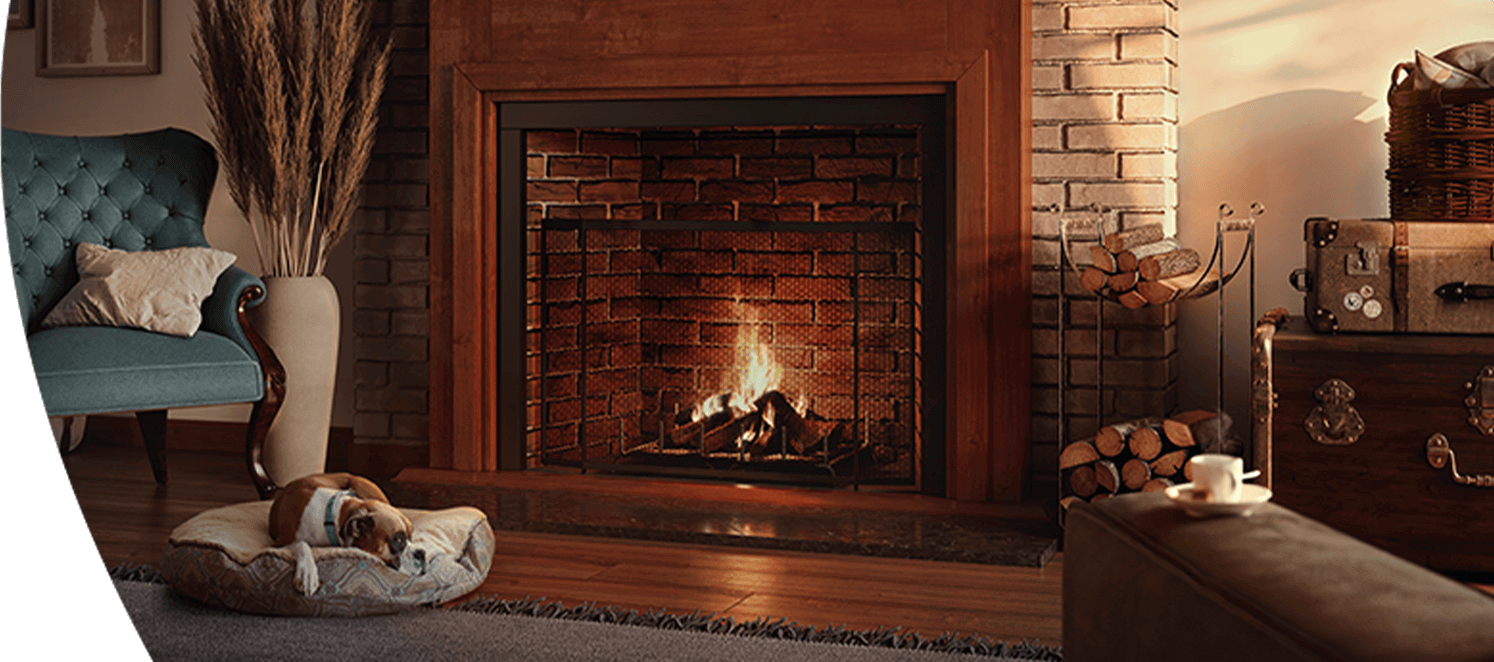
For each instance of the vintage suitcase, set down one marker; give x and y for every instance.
(1389, 438)
(1385, 276)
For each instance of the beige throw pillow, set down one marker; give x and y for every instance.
(159, 291)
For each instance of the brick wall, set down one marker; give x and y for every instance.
(1104, 114)
(1104, 137)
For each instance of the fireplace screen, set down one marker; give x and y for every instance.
(741, 301)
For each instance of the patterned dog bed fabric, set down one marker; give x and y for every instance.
(223, 557)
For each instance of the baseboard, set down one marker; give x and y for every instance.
(212, 436)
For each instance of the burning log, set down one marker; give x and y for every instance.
(773, 426)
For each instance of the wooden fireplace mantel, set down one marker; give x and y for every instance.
(486, 52)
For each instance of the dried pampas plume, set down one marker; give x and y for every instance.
(293, 89)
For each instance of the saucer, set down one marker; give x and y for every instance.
(1251, 498)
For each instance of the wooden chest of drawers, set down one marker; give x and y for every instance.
(1357, 418)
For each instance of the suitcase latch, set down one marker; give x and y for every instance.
(1367, 262)
(1480, 401)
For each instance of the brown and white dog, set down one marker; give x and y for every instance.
(336, 510)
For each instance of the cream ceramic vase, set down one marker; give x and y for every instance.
(300, 320)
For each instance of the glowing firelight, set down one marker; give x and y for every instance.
(757, 373)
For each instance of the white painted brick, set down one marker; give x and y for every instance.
(1047, 77)
(1073, 165)
(1074, 107)
(1144, 106)
(1110, 17)
(1044, 253)
(1149, 166)
(1074, 47)
(1047, 137)
(1158, 45)
(1045, 223)
(1122, 136)
(1047, 196)
(1100, 76)
(1047, 17)
(1119, 195)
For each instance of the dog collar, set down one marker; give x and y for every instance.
(330, 521)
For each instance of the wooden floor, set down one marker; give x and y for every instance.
(130, 518)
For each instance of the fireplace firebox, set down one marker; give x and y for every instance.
(740, 289)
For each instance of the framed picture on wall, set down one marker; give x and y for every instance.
(20, 15)
(98, 37)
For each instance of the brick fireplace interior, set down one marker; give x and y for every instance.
(734, 288)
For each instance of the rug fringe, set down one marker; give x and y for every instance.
(780, 628)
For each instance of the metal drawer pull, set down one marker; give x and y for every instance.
(1440, 454)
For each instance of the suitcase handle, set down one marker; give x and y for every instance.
(1301, 280)
(1460, 292)
(1440, 454)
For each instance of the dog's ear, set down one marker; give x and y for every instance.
(357, 526)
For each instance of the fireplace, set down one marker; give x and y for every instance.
(732, 288)
(487, 56)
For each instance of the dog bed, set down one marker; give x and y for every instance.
(223, 557)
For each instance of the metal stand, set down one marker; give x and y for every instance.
(1107, 223)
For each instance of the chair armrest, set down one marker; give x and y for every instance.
(220, 312)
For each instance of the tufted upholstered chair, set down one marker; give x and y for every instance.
(135, 192)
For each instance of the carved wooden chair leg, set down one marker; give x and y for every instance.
(153, 429)
(268, 406)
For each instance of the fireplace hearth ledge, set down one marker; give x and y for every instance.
(830, 521)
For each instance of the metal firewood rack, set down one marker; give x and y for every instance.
(1108, 222)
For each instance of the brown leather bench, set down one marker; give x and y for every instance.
(1142, 580)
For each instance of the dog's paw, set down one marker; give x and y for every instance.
(306, 580)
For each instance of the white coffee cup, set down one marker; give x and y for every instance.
(1217, 478)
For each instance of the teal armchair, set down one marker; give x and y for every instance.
(134, 192)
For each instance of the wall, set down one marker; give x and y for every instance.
(96, 105)
(1284, 103)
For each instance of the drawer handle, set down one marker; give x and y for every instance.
(1440, 454)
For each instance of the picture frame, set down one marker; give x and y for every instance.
(19, 17)
(98, 37)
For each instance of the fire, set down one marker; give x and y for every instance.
(757, 375)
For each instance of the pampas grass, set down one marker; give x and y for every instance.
(293, 89)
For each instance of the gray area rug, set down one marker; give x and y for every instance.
(174, 627)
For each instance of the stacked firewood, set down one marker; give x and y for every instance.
(1146, 455)
(1141, 267)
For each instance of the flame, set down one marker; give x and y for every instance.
(757, 374)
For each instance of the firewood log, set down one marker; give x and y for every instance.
(1179, 428)
(1128, 260)
(1158, 292)
(1102, 259)
(1146, 443)
(1128, 239)
(1132, 300)
(1077, 453)
(821, 436)
(1101, 497)
(1168, 464)
(1136, 473)
(1083, 481)
(1068, 501)
(1167, 265)
(788, 429)
(1107, 475)
(1124, 281)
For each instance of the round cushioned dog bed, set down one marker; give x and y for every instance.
(223, 557)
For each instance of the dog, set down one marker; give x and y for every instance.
(337, 510)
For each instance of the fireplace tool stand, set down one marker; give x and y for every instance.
(1201, 286)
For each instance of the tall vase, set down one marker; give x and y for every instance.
(300, 320)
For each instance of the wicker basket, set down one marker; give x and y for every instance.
(1441, 151)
